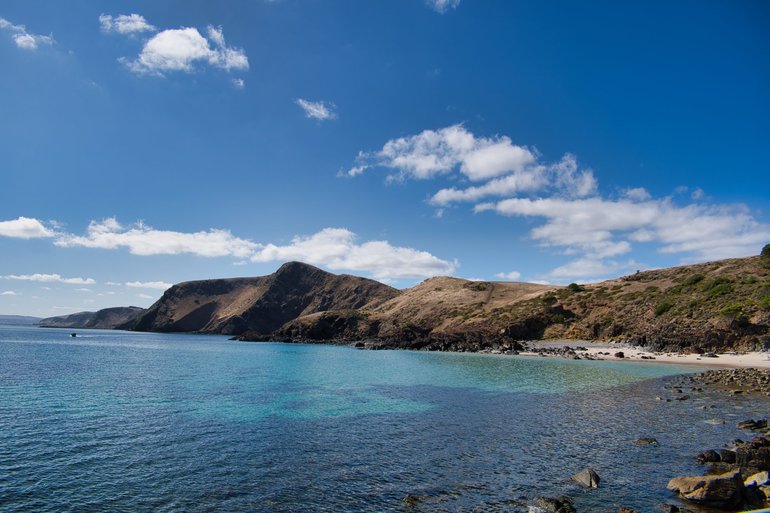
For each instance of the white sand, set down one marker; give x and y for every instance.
(631, 353)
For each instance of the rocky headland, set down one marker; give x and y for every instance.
(107, 318)
(702, 308)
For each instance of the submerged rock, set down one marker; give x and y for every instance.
(552, 505)
(753, 425)
(646, 441)
(587, 478)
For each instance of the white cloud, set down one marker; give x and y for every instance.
(698, 194)
(637, 194)
(145, 296)
(317, 110)
(504, 168)
(513, 276)
(601, 228)
(435, 152)
(443, 6)
(184, 49)
(238, 83)
(50, 278)
(83, 289)
(23, 39)
(25, 228)
(337, 249)
(160, 285)
(591, 269)
(141, 239)
(125, 24)
(8, 293)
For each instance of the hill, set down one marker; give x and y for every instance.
(107, 318)
(713, 306)
(19, 320)
(259, 305)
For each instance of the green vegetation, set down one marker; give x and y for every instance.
(764, 303)
(733, 310)
(693, 279)
(718, 286)
(663, 307)
(549, 299)
(574, 287)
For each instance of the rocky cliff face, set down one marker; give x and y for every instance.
(259, 305)
(714, 306)
(107, 318)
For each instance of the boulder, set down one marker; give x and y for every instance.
(758, 479)
(620, 354)
(753, 425)
(720, 491)
(587, 478)
(552, 505)
(646, 441)
(727, 456)
(709, 456)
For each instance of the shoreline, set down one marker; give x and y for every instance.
(606, 351)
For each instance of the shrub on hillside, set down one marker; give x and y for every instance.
(574, 287)
(663, 307)
(693, 279)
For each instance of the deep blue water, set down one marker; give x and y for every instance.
(134, 422)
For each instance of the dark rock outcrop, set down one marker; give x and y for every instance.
(587, 478)
(720, 491)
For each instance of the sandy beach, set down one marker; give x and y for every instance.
(607, 351)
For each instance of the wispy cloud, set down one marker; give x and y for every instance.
(25, 228)
(50, 278)
(337, 249)
(317, 110)
(513, 276)
(8, 293)
(24, 39)
(160, 285)
(141, 239)
(443, 6)
(125, 24)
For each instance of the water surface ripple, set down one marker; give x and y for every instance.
(131, 422)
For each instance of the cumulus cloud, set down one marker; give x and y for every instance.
(513, 276)
(25, 228)
(337, 249)
(125, 24)
(141, 239)
(317, 110)
(591, 269)
(186, 49)
(442, 6)
(436, 152)
(502, 167)
(50, 278)
(160, 285)
(24, 39)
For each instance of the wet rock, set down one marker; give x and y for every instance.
(727, 456)
(587, 478)
(624, 509)
(670, 508)
(552, 505)
(709, 456)
(721, 491)
(647, 441)
(753, 425)
(620, 354)
(411, 501)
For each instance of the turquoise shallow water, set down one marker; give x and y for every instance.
(116, 421)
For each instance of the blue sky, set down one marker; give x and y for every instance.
(153, 142)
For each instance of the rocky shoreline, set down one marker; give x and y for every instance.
(736, 476)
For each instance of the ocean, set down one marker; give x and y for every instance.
(133, 422)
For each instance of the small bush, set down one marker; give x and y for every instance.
(764, 256)
(722, 288)
(693, 279)
(734, 310)
(663, 307)
(549, 298)
(558, 319)
(764, 303)
(574, 287)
